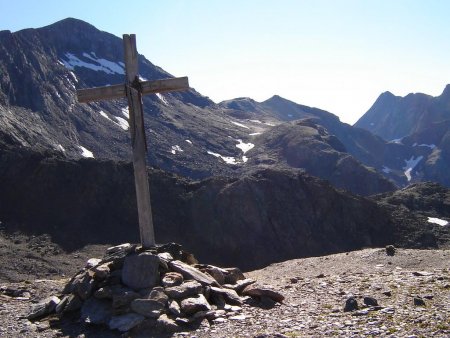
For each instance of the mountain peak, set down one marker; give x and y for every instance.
(276, 98)
(72, 23)
(446, 92)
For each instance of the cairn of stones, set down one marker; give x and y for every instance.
(162, 288)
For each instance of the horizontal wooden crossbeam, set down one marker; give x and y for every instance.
(118, 91)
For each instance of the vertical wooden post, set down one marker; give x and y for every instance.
(136, 122)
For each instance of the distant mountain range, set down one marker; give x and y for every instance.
(236, 176)
(190, 135)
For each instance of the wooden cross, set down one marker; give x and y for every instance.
(133, 89)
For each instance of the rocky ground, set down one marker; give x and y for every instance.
(412, 289)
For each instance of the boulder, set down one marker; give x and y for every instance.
(141, 271)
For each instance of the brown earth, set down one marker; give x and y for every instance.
(315, 288)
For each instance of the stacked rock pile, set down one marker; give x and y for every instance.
(162, 288)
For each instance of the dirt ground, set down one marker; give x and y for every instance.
(315, 288)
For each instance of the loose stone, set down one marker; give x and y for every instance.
(187, 289)
(147, 307)
(192, 305)
(125, 322)
(350, 304)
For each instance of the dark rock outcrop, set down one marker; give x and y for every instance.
(274, 214)
(304, 144)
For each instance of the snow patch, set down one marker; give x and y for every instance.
(125, 112)
(85, 152)
(438, 221)
(102, 113)
(114, 67)
(60, 148)
(162, 98)
(255, 121)
(141, 78)
(99, 65)
(269, 124)
(253, 134)
(431, 146)
(226, 159)
(176, 148)
(244, 146)
(74, 77)
(410, 165)
(122, 122)
(397, 140)
(240, 125)
(189, 141)
(386, 170)
(244, 159)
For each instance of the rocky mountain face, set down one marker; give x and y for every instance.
(367, 155)
(421, 212)
(304, 144)
(273, 214)
(420, 122)
(40, 70)
(394, 117)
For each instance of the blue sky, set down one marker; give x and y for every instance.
(338, 55)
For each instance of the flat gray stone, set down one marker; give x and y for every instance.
(43, 308)
(147, 307)
(192, 305)
(255, 290)
(230, 296)
(189, 272)
(187, 289)
(96, 311)
(125, 322)
(240, 285)
(141, 271)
